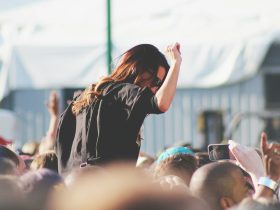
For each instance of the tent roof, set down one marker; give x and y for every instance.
(222, 41)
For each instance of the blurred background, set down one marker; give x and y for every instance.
(229, 81)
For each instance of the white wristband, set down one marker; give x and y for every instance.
(265, 181)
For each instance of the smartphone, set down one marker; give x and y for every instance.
(218, 152)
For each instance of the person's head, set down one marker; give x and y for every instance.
(181, 165)
(11, 155)
(220, 184)
(7, 167)
(11, 194)
(38, 186)
(46, 160)
(143, 65)
(123, 188)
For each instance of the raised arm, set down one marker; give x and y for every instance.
(48, 141)
(249, 160)
(271, 158)
(166, 92)
(53, 109)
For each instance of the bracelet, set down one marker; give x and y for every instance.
(271, 184)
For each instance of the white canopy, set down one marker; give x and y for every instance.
(9, 125)
(62, 43)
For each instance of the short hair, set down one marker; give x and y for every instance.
(7, 167)
(202, 158)
(178, 164)
(46, 160)
(213, 181)
(9, 154)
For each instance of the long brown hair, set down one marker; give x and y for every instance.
(133, 63)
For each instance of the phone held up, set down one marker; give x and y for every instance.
(218, 152)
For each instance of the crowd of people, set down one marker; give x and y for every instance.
(90, 160)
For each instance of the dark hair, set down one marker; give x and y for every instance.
(132, 64)
(175, 165)
(46, 160)
(9, 154)
(7, 167)
(202, 158)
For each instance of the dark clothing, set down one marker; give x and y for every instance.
(107, 129)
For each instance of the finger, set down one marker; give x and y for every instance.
(270, 148)
(263, 144)
(269, 165)
(177, 46)
(265, 161)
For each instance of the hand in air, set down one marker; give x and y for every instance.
(174, 53)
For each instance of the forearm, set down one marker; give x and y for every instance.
(267, 188)
(263, 191)
(257, 174)
(51, 133)
(167, 91)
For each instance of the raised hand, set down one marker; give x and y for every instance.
(249, 160)
(271, 158)
(52, 104)
(173, 52)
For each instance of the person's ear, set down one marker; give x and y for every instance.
(226, 202)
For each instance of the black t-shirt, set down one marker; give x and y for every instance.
(112, 125)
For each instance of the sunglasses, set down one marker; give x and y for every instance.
(157, 82)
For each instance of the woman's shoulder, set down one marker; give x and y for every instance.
(121, 86)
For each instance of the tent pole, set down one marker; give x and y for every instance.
(109, 39)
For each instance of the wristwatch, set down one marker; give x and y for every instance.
(271, 184)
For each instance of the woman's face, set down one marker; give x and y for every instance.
(159, 80)
(154, 84)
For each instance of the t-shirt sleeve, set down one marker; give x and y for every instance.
(140, 99)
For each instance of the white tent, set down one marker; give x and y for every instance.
(62, 43)
(9, 125)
